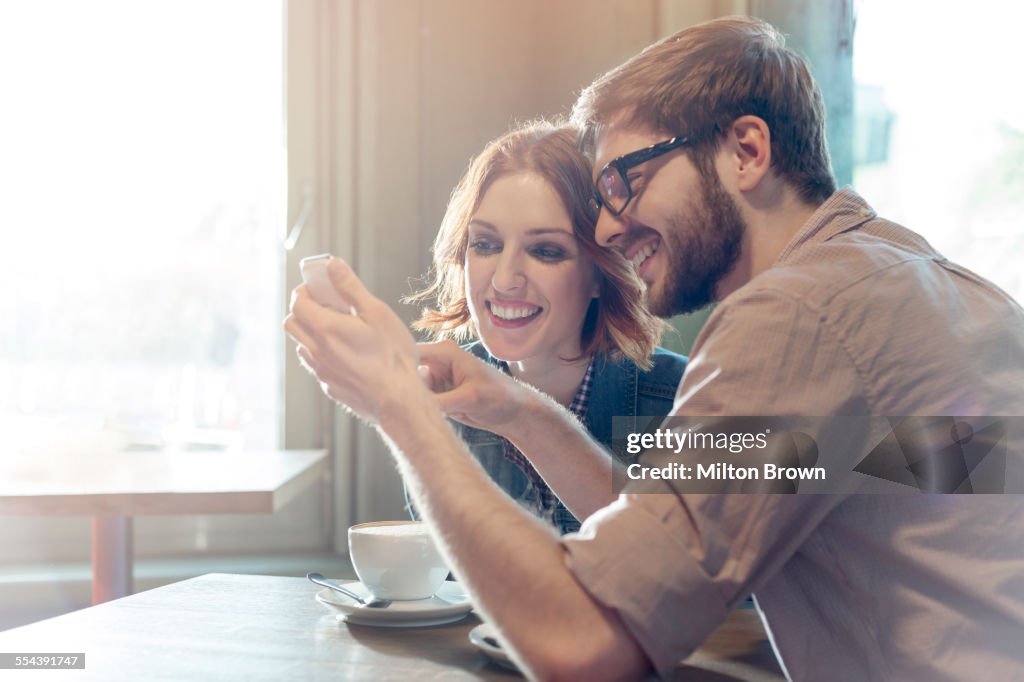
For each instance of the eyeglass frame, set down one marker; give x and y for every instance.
(622, 164)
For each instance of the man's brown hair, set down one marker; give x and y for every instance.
(700, 80)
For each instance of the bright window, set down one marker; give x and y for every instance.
(142, 183)
(940, 136)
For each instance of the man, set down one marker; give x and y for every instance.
(713, 177)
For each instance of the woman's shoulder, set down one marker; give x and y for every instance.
(665, 373)
(664, 363)
(661, 380)
(665, 360)
(662, 360)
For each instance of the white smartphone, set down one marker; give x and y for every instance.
(314, 274)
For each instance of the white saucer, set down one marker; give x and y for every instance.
(484, 637)
(447, 606)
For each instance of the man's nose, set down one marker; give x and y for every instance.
(609, 228)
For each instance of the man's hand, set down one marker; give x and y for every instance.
(369, 362)
(366, 360)
(468, 389)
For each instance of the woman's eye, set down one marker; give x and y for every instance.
(549, 253)
(484, 247)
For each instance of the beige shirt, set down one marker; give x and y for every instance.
(858, 316)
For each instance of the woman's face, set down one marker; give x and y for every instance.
(527, 279)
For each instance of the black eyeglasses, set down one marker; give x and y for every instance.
(612, 190)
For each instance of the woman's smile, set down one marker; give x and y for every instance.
(512, 315)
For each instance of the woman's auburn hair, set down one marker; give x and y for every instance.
(617, 323)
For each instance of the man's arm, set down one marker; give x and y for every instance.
(512, 565)
(559, 447)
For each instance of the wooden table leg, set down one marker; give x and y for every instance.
(111, 557)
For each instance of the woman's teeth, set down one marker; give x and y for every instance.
(505, 313)
(643, 254)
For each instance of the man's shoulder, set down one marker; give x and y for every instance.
(903, 324)
(863, 280)
(821, 271)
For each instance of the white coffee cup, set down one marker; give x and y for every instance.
(396, 559)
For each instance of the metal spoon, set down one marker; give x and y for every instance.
(362, 601)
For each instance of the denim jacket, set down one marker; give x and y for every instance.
(619, 389)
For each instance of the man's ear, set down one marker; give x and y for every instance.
(750, 142)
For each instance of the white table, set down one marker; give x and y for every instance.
(115, 487)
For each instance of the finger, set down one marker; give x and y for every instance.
(310, 320)
(302, 298)
(436, 377)
(298, 292)
(309, 363)
(310, 312)
(304, 311)
(349, 285)
(427, 377)
(441, 352)
(307, 360)
(455, 400)
(303, 305)
(443, 359)
(294, 328)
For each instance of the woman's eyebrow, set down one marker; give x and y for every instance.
(549, 230)
(484, 224)
(532, 231)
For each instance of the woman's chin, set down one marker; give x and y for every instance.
(502, 350)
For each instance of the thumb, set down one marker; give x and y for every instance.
(431, 378)
(441, 353)
(455, 400)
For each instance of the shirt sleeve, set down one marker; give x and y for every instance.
(673, 565)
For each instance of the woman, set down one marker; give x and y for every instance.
(516, 267)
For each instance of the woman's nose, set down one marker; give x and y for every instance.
(508, 275)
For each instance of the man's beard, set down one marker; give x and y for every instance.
(704, 243)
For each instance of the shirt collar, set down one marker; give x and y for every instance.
(581, 400)
(579, 403)
(844, 210)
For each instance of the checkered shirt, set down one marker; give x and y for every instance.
(546, 502)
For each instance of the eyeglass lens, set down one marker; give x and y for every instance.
(614, 191)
